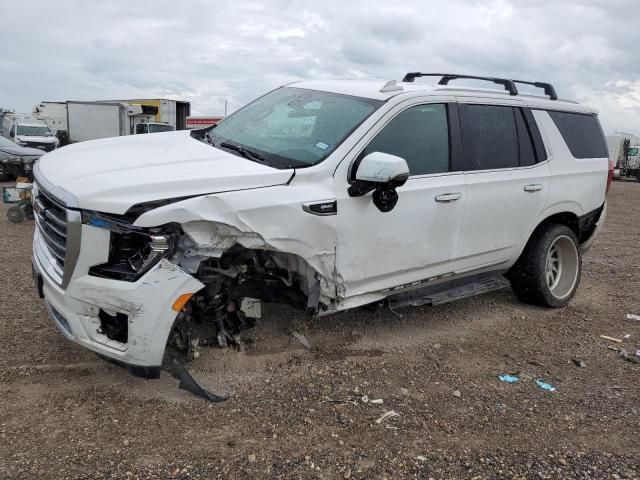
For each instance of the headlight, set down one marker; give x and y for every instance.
(132, 253)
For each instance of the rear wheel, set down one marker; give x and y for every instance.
(548, 271)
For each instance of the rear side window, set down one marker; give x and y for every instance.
(582, 134)
(490, 137)
(418, 134)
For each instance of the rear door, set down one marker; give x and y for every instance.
(507, 181)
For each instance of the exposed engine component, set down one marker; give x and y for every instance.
(213, 315)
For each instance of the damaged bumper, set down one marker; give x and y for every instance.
(586, 245)
(128, 322)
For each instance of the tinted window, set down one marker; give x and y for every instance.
(525, 144)
(420, 135)
(582, 133)
(490, 137)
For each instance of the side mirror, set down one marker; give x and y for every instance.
(381, 173)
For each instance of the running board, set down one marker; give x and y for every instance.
(449, 291)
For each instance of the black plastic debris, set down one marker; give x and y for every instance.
(188, 383)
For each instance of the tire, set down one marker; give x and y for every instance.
(15, 214)
(548, 271)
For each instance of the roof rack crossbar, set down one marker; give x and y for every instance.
(547, 87)
(509, 85)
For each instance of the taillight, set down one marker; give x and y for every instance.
(609, 176)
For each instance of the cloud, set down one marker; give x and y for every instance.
(208, 52)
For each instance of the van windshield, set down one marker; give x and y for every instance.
(158, 127)
(33, 131)
(291, 127)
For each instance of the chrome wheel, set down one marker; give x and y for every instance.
(562, 267)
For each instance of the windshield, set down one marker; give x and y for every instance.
(33, 131)
(292, 127)
(156, 127)
(633, 151)
(5, 142)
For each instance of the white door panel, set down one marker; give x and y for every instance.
(418, 239)
(502, 208)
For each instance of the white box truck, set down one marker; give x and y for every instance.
(624, 152)
(76, 121)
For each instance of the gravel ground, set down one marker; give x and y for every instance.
(297, 413)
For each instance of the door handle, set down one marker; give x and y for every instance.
(448, 197)
(534, 187)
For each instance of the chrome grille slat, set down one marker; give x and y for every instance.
(52, 225)
(61, 221)
(51, 220)
(51, 243)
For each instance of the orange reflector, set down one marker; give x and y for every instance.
(181, 301)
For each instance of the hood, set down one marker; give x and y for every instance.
(19, 151)
(36, 139)
(112, 174)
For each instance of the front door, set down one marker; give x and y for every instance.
(418, 239)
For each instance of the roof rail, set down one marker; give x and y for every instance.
(509, 85)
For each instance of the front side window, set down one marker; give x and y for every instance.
(291, 127)
(418, 134)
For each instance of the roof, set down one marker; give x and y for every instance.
(385, 89)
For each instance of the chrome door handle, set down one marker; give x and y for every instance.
(534, 187)
(448, 197)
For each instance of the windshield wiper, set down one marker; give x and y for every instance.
(243, 151)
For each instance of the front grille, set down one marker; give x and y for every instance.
(47, 147)
(51, 220)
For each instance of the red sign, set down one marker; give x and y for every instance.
(200, 121)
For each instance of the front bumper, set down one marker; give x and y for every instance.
(147, 303)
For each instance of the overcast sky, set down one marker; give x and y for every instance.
(205, 51)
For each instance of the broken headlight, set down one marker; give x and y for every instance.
(132, 253)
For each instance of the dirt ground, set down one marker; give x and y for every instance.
(297, 413)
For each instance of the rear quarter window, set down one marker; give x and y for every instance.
(582, 134)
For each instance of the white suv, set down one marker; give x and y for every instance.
(324, 195)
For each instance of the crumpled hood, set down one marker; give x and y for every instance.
(36, 139)
(19, 151)
(112, 174)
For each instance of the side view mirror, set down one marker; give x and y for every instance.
(381, 173)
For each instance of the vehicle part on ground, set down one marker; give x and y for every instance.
(548, 271)
(20, 197)
(16, 214)
(188, 383)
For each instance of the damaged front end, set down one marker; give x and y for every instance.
(232, 276)
(235, 279)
